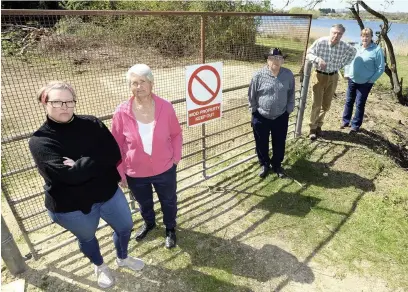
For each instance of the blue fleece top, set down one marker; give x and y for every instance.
(367, 66)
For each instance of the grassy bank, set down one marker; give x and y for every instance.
(339, 223)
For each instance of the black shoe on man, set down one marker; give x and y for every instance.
(279, 172)
(319, 131)
(264, 171)
(144, 230)
(171, 239)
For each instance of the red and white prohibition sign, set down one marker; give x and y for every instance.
(204, 94)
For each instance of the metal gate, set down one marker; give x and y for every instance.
(92, 50)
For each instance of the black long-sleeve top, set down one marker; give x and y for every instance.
(93, 178)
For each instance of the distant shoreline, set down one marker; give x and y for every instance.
(364, 19)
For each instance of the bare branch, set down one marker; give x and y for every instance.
(285, 5)
(356, 15)
(311, 4)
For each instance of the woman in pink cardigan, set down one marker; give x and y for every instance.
(150, 139)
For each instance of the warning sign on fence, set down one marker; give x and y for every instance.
(204, 93)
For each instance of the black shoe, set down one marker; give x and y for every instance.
(170, 238)
(144, 230)
(279, 172)
(343, 126)
(264, 171)
(319, 131)
(353, 130)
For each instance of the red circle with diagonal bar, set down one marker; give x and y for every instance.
(195, 76)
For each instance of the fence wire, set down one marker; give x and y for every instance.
(92, 50)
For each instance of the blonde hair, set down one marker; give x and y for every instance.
(141, 70)
(42, 94)
(367, 31)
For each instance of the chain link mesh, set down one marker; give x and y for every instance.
(93, 53)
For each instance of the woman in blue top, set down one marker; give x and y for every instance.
(364, 70)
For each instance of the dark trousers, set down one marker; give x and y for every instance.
(356, 93)
(165, 185)
(278, 129)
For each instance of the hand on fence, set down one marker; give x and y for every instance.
(69, 162)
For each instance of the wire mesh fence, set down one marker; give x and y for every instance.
(92, 50)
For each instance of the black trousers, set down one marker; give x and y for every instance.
(278, 129)
(165, 185)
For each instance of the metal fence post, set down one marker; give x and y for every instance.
(202, 52)
(303, 97)
(9, 251)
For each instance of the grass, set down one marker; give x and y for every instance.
(343, 211)
(241, 233)
(402, 67)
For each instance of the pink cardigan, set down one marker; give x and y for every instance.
(167, 140)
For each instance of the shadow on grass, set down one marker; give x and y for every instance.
(314, 173)
(242, 260)
(311, 174)
(230, 256)
(373, 141)
(152, 278)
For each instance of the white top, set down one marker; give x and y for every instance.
(146, 133)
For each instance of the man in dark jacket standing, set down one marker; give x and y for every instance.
(271, 97)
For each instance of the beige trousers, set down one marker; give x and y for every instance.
(323, 89)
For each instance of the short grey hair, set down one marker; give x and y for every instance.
(141, 70)
(339, 26)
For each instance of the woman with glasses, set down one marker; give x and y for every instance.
(77, 157)
(271, 97)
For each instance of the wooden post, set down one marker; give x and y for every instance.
(9, 251)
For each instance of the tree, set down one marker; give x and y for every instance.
(391, 63)
(300, 10)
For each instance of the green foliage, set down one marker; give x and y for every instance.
(327, 10)
(170, 35)
(12, 42)
(300, 10)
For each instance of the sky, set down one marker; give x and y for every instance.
(398, 6)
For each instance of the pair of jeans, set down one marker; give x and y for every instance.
(115, 212)
(165, 185)
(278, 129)
(358, 94)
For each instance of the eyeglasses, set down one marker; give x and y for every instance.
(58, 104)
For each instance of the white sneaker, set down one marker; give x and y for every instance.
(104, 276)
(134, 264)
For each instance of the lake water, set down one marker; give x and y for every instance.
(398, 30)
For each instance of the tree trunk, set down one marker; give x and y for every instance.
(391, 71)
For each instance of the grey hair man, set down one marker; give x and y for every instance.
(329, 55)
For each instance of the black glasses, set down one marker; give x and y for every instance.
(59, 104)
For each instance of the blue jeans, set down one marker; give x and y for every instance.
(165, 185)
(115, 212)
(356, 93)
